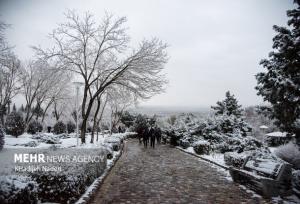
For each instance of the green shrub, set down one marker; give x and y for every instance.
(14, 124)
(71, 127)
(59, 128)
(34, 127)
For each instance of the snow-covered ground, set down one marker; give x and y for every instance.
(22, 140)
(214, 157)
(76, 175)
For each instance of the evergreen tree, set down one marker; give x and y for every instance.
(14, 108)
(126, 118)
(14, 124)
(228, 106)
(34, 127)
(38, 111)
(22, 109)
(71, 127)
(280, 84)
(59, 128)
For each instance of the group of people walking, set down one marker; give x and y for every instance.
(151, 134)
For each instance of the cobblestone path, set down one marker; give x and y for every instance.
(167, 175)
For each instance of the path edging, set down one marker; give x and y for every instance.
(89, 195)
(205, 159)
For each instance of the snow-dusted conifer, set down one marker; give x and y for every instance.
(280, 84)
(228, 106)
(14, 124)
(59, 128)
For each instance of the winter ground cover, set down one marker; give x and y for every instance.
(221, 140)
(64, 177)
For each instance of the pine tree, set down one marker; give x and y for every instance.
(14, 108)
(38, 111)
(280, 84)
(14, 124)
(228, 106)
(22, 109)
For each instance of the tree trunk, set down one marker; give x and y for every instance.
(95, 120)
(85, 117)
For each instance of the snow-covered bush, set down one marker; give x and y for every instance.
(17, 189)
(30, 144)
(290, 153)
(201, 147)
(2, 141)
(14, 124)
(68, 185)
(227, 124)
(71, 127)
(173, 136)
(184, 142)
(232, 142)
(140, 125)
(113, 142)
(34, 127)
(62, 136)
(234, 159)
(237, 159)
(296, 182)
(186, 122)
(109, 150)
(46, 138)
(59, 128)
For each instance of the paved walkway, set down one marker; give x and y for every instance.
(166, 175)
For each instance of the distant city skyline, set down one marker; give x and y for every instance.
(215, 46)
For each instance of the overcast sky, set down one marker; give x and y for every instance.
(215, 45)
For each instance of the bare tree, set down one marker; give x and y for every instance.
(98, 113)
(37, 81)
(58, 93)
(119, 100)
(100, 53)
(9, 73)
(9, 77)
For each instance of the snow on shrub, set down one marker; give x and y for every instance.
(234, 159)
(30, 144)
(62, 136)
(17, 189)
(68, 185)
(46, 138)
(2, 141)
(113, 142)
(59, 128)
(237, 159)
(34, 127)
(226, 124)
(290, 153)
(71, 127)
(201, 147)
(296, 182)
(184, 142)
(14, 124)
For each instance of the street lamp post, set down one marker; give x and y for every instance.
(77, 85)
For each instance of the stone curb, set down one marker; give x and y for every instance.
(196, 155)
(86, 198)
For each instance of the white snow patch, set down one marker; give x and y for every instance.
(276, 134)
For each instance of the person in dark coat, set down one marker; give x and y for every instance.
(146, 137)
(158, 134)
(152, 137)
